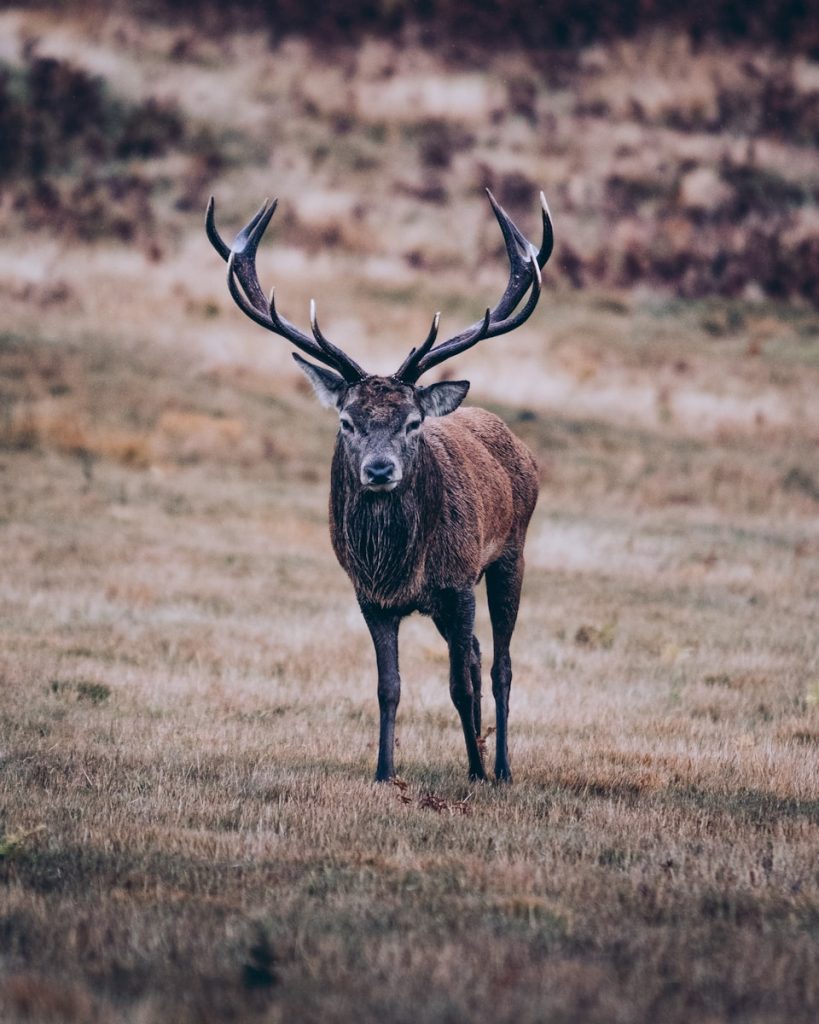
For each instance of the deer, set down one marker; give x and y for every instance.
(426, 497)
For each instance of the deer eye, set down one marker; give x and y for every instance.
(347, 426)
(412, 425)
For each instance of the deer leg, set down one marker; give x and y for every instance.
(503, 582)
(475, 675)
(384, 631)
(474, 672)
(455, 619)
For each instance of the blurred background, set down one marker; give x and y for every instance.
(678, 148)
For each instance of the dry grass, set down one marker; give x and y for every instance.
(189, 722)
(188, 830)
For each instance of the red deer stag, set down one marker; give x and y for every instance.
(425, 498)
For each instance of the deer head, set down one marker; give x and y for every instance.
(381, 417)
(380, 421)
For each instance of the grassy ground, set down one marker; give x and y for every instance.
(189, 729)
(188, 827)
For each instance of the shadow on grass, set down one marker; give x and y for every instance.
(752, 807)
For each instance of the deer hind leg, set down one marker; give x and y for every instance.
(475, 676)
(474, 672)
(503, 582)
(455, 619)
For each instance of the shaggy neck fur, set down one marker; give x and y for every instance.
(380, 538)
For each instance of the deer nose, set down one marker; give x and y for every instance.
(379, 471)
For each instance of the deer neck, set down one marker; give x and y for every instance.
(381, 539)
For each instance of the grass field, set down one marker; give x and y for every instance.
(188, 827)
(189, 729)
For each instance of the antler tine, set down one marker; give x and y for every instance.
(518, 252)
(247, 240)
(488, 328)
(327, 352)
(523, 314)
(347, 367)
(239, 298)
(244, 287)
(548, 242)
(466, 339)
(216, 239)
(525, 263)
(416, 354)
(244, 249)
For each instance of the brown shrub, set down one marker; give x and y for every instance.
(65, 137)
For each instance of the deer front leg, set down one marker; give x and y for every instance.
(384, 631)
(455, 618)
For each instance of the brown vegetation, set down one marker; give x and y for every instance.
(675, 164)
(531, 24)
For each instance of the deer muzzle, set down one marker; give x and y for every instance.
(380, 474)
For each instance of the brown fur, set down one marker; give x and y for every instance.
(466, 503)
(460, 511)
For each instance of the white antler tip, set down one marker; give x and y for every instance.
(534, 262)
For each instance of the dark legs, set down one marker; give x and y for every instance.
(475, 676)
(503, 582)
(474, 672)
(384, 631)
(455, 619)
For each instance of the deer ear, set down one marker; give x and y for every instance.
(329, 387)
(442, 398)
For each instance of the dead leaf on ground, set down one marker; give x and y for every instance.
(482, 740)
(594, 637)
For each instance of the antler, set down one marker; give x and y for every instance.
(525, 263)
(243, 283)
